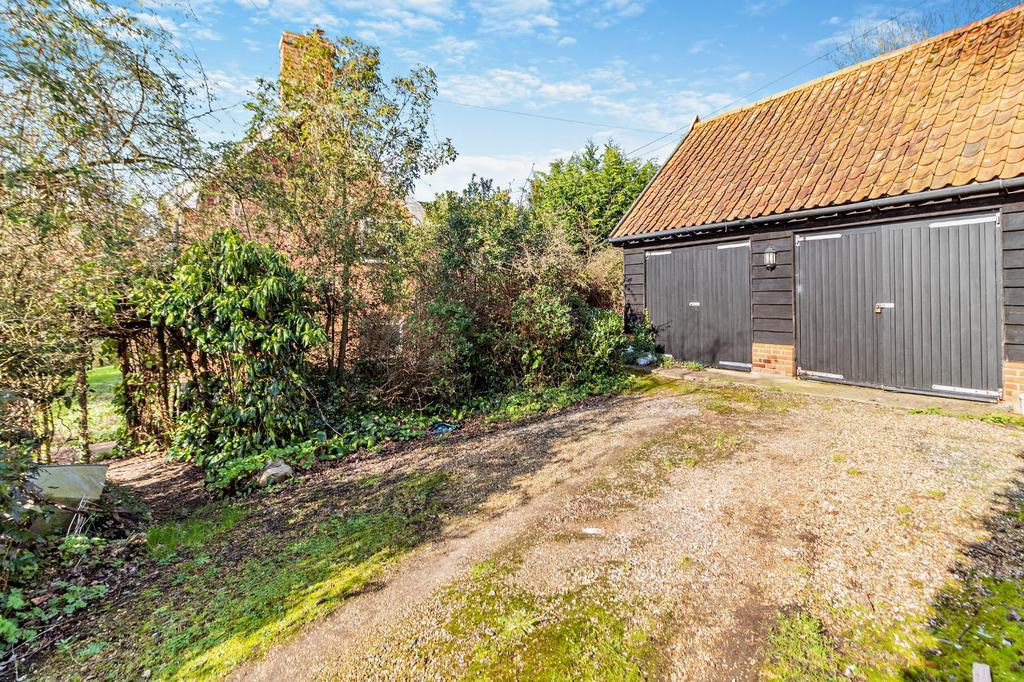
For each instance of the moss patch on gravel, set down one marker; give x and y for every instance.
(800, 650)
(1001, 418)
(231, 591)
(505, 632)
(978, 617)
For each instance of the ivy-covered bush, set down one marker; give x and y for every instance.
(246, 322)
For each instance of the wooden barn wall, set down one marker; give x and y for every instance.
(773, 294)
(633, 282)
(1013, 280)
(771, 291)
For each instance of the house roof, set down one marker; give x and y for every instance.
(943, 112)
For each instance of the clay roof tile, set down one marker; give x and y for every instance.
(949, 110)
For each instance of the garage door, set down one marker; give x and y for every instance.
(910, 306)
(698, 299)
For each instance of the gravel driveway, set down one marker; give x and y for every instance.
(659, 536)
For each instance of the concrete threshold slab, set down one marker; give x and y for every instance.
(877, 396)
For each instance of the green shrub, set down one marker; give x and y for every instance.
(245, 314)
(601, 343)
(542, 318)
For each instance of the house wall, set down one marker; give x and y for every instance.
(773, 292)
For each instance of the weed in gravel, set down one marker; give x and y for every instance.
(1001, 418)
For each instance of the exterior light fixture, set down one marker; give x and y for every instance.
(769, 258)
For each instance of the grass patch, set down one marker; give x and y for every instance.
(104, 419)
(800, 650)
(167, 539)
(235, 588)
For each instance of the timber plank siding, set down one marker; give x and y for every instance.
(771, 294)
(1013, 281)
(634, 273)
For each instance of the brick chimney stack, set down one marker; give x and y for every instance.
(299, 57)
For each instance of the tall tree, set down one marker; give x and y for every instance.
(94, 123)
(588, 193)
(872, 37)
(330, 156)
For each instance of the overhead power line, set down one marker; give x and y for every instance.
(552, 118)
(783, 77)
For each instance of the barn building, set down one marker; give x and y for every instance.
(866, 227)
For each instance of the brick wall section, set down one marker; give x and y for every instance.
(772, 358)
(1013, 381)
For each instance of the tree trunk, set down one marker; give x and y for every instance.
(165, 389)
(82, 394)
(346, 318)
(131, 414)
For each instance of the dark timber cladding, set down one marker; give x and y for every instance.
(1013, 280)
(772, 290)
(911, 305)
(698, 300)
(633, 282)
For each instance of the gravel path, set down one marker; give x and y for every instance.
(706, 511)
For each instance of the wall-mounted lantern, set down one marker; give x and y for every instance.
(769, 258)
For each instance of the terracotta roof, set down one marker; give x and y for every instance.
(943, 112)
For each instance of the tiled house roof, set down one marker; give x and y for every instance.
(940, 113)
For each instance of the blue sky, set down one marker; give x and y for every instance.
(637, 68)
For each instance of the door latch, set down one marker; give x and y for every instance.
(879, 307)
(694, 304)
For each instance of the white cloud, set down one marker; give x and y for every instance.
(203, 33)
(609, 12)
(454, 50)
(515, 16)
(760, 8)
(702, 45)
(372, 19)
(501, 86)
(565, 41)
(159, 22)
(871, 20)
(507, 171)
(221, 83)
(664, 112)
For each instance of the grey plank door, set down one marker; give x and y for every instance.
(699, 303)
(911, 306)
(662, 282)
